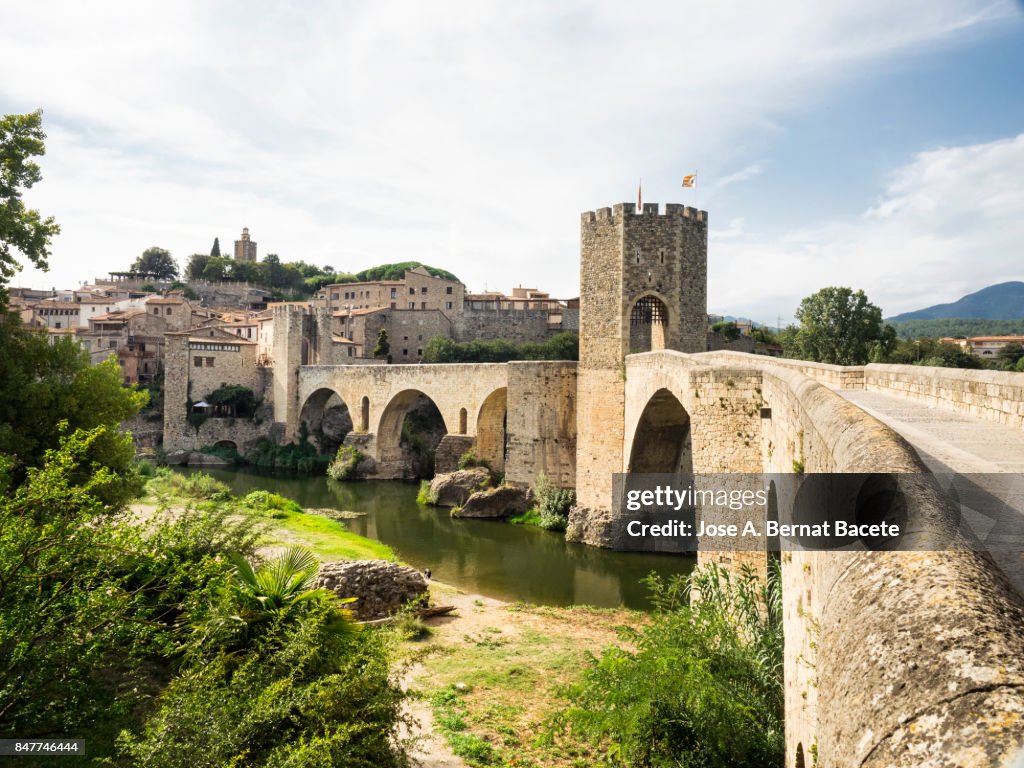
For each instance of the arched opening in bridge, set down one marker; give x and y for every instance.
(800, 763)
(648, 324)
(661, 443)
(325, 420)
(463, 417)
(774, 543)
(364, 414)
(857, 498)
(410, 429)
(227, 445)
(491, 430)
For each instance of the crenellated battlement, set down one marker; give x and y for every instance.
(620, 210)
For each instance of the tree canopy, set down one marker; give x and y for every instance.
(22, 229)
(158, 263)
(839, 326)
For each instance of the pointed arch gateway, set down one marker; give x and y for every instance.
(662, 442)
(648, 324)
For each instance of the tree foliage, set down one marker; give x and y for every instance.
(561, 346)
(700, 685)
(43, 385)
(839, 326)
(157, 262)
(23, 230)
(728, 329)
(957, 328)
(215, 250)
(383, 347)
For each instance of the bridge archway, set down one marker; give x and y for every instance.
(491, 429)
(326, 418)
(648, 324)
(662, 442)
(413, 446)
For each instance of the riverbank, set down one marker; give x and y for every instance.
(488, 677)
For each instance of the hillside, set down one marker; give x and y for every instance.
(1003, 301)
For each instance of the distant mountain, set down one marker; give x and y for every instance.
(1003, 301)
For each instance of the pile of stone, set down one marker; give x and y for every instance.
(381, 588)
(452, 489)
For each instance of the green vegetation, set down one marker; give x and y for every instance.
(156, 262)
(22, 230)
(956, 328)
(561, 346)
(551, 512)
(301, 456)
(233, 400)
(383, 347)
(700, 685)
(424, 495)
(728, 329)
(469, 459)
(838, 326)
(345, 463)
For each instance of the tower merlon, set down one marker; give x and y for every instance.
(619, 210)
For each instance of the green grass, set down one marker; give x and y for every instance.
(327, 538)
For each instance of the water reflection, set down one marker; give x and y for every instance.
(508, 562)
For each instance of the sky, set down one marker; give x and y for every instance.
(873, 144)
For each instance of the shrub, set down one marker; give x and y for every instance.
(345, 463)
(199, 486)
(553, 504)
(298, 457)
(265, 501)
(702, 683)
(469, 459)
(425, 496)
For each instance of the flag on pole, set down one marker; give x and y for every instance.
(690, 180)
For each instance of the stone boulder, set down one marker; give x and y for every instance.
(452, 489)
(178, 458)
(503, 501)
(198, 459)
(381, 588)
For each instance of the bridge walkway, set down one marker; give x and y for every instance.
(949, 442)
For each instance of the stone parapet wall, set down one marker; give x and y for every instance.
(992, 395)
(834, 376)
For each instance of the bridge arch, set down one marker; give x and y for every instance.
(326, 418)
(491, 429)
(662, 442)
(648, 323)
(390, 427)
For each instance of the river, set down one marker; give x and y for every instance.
(507, 562)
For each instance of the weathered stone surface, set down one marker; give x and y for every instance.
(454, 488)
(503, 501)
(380, 588)
(197, 459)
(178, 458)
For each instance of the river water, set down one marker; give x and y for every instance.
(508, 562)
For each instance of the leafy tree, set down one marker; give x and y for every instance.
(383, 346)
(42, 385)
(158, 263)
(728, 329)
(274, 272)
(838, 326)
(957, 328)
(1010, 355)
(215, 251)
(22, 230)
(561, 346)
(196, 266)
(947, 355)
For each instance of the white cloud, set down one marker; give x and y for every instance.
(949, 222)
(467, 135)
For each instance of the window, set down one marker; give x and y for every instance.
(334, 296)
(420, 337)
(393, 304)
(423, 290)
(112, 343)
(351, 352)
(405, 352)
(197, 362)
(405, 338)
(57, 325)
(412, 291)
(448, 290)
(423, 305)
(449, 305)
(419, 352)
(168, 311)
(156, 310)
(209, 362)
(412, 305)
(394, 293)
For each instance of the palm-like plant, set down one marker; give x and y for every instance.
(276, 591)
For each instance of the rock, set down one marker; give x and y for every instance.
(178, 458)
(197, 459)
(381, 588)
(503, 501)
(452, 489)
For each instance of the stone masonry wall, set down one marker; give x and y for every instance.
(541, 423)
(511, 324)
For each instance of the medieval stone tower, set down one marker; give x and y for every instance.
(643, 286)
